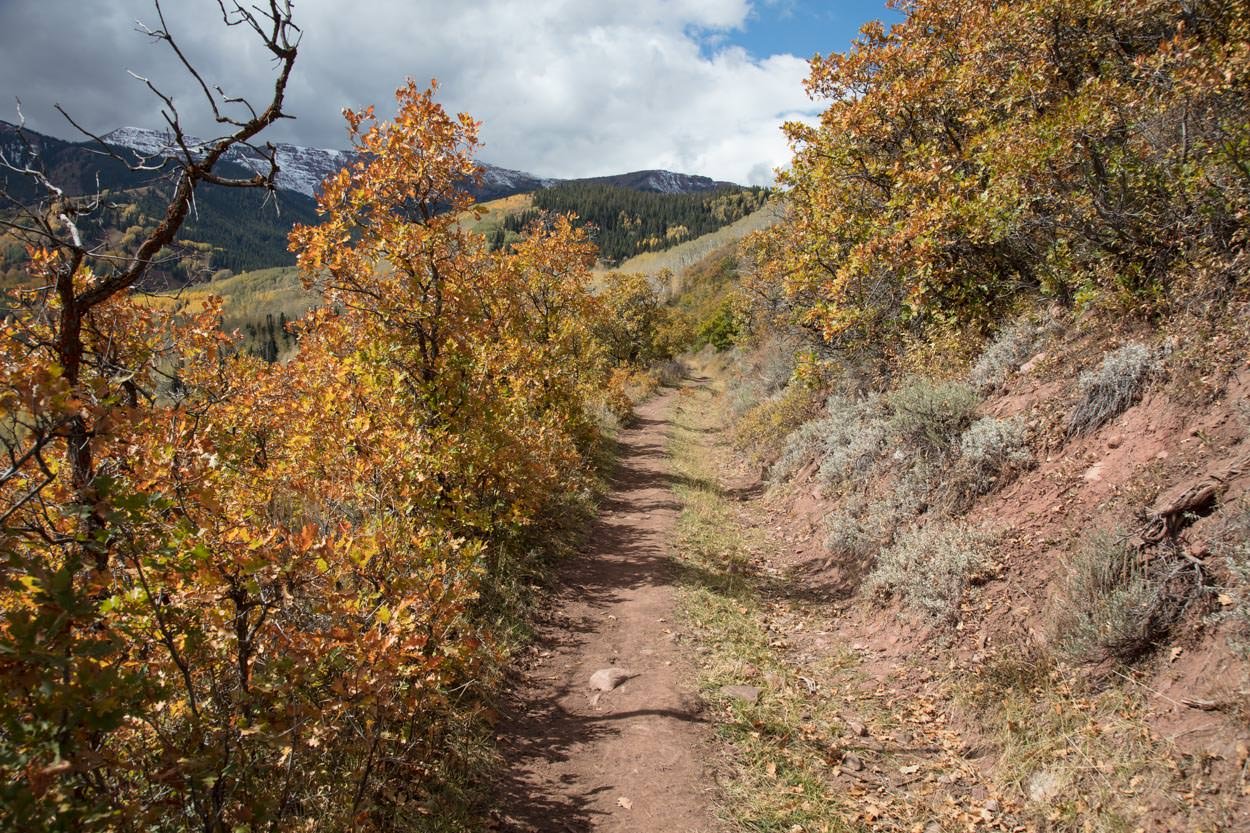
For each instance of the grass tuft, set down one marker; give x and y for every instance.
(1114, 605)
(1080, 761)
(1233, 545)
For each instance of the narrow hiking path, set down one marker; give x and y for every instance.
(763, 695)
(634, 758)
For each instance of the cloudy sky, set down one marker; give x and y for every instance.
(565, 88)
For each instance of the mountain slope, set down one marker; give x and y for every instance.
(302, 169)
(230, 228)
(659, 182)
(241, 229)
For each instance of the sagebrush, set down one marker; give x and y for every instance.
(930, 415)
(1109, 390)
(1115, 604)
(990, 452)
(930, 568)
(1003, 355)
(858, 529)
(855, 438)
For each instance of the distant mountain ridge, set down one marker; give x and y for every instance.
(300, 169)
(303, 169)
(660, 182)
(240, 229)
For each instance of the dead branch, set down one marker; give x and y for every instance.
(1166, 521)
(52, 222)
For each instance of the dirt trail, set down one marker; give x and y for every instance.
(632, 759)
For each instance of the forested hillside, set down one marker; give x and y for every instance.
(235, 229)
(626, 222)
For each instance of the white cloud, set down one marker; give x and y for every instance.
(563, 87)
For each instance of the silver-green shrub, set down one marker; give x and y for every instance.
(855, 438)
(1002, 356)
(858, 529)
(1113, 604)
(805, 444)
(990, 452)
(930, 416)
(1112, 388)
(931, 567)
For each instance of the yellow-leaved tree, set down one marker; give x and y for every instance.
(978, 152)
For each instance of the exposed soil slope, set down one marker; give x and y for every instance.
(1158, 746)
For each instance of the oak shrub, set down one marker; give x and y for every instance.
(275, 618)
(1105, 161)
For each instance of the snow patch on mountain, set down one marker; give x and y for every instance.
(303, 169)
(300, 169)
(506, 178)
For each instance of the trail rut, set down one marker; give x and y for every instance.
(635, 758)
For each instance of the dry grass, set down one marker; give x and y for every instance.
(488, 217)
(1114, 605)
(691, 252)
(780, 748)
(1079, 761)
(1233, 546)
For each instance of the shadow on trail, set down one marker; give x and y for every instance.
(621, 553)
(550, 733)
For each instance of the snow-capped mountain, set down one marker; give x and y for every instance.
(662, 182)
(506, 179)
(303, 169)
(300, 169)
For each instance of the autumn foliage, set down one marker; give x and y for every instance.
(980, 151)
(262, 610)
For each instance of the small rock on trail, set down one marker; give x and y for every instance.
(606, 679)
(856, 728)
(579, 763)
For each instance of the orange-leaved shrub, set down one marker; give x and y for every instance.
(979, 151)
(261, 612)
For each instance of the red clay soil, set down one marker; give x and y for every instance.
(1155, 449)
(634, 758)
